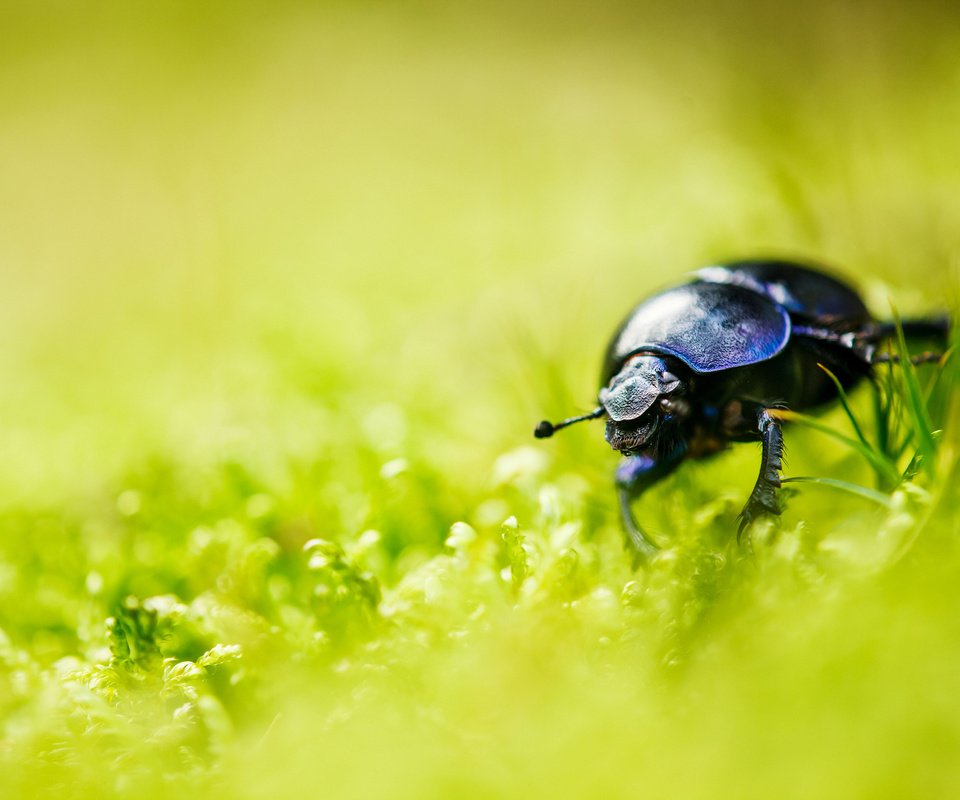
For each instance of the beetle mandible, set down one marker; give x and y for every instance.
(709, 362)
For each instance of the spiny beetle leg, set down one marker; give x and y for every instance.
(763, 498)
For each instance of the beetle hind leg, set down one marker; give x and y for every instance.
(763, 499)
(927, 357)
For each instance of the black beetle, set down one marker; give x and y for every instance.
(709, 362)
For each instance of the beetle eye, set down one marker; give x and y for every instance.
(668, 381)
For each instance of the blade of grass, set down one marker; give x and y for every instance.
(881, 412)
(895, 439)
(846, 405)
(911, 470)
(935, 398)
(880, 453)
(903, 447)
(922, 425)
(851, 488)
(895, 409)
(876, 460)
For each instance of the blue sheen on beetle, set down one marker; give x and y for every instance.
(700, 365)
(708, 326)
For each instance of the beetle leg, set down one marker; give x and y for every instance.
(637, 542)
(926, 357)
(920, 328)
(866, 341)
(634, 476)
(763, 498)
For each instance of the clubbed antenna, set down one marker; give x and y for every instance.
(546, 429)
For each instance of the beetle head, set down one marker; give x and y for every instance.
(638, 400)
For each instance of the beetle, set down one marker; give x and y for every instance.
(711, 361)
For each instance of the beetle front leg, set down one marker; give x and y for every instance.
(763, 498)
(634, 475)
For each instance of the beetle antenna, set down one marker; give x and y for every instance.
(546, 429)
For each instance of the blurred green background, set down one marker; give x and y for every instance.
(281, 272)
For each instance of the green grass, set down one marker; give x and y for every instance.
(283, 292)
